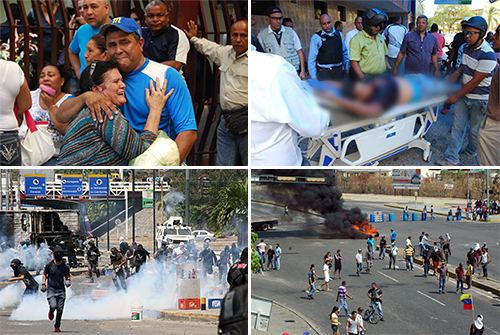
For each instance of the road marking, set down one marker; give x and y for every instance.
(425, 295)
(492, 330)
(383, 274)
(483, 294)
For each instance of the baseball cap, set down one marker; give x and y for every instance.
(273, 10)
(123, 23)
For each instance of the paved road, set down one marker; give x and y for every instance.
(411, 302)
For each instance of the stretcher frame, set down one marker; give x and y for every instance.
(395, 132)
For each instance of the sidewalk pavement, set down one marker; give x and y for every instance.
(285, 320)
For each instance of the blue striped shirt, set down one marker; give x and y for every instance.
(481, 59)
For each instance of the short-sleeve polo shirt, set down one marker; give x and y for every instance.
(369, 52)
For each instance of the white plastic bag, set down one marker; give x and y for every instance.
(163, 152)
(37, 146)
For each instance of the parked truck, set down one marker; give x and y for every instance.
(264, 223)
(173, 231)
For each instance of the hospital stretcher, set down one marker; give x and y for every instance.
(397, 130)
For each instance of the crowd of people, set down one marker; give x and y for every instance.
(125, 260)
(433, 258)
(132, 94)
(367, 71)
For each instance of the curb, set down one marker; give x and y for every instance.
(200, 316)
(302, 317)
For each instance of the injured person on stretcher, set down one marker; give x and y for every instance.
(374, 97)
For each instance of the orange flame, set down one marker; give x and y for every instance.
(365, 228)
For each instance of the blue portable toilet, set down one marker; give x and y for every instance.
(382, 216)
(424, 216)
(372, 217)
(391, 217)
(459, 216)
(415, 216)
(405, 217)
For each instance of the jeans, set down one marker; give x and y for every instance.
(263, 257)
(409, 261)
(10, 148)
(278, 262)
(359, 268)
(120, 274)
(426, 269)
(93, 268)
(465, 110)
(485, 270)
(230, 145)
(56, 302)
(401, 67)
(72, 261)
(334, 73)
(460, 282)
(392, 260)
(432, 216)
(382, 252)
(442, 282)
(311, 290)
(378, 305)
(343, 304)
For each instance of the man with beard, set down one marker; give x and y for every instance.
(53, 283)
(20, 273)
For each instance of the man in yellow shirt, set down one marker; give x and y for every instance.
(367, 49)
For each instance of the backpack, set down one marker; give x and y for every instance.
(233, 318)
(238, 274)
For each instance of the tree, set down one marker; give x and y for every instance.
(232, 201)
(491, 16)
(446, 16)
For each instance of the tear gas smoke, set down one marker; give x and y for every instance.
(321, 198)
(171, 201)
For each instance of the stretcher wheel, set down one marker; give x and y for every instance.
(428, 158)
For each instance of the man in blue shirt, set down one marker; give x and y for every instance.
(124, 43)
(95, 12)
(328, 54)
(420, 48)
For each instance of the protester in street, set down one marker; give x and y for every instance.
(409, 253)
(338, 264)
(485, 259)
(270, 258)
(488, 138)
(468, 276)
(367, 49)
(359, 316)
(235, 254)
(477, 327)
(70, 248)
(359, 263)
(117, 261)
(326, 275)
(277, 257)
(20, 273)
(444, 275)
(209, 259)
(394, 35)
(375, 294)
(312, 282)
(232, 133)
(427, 263)
(262, 247)
(93, 255)
(140, 256)
(286, 211)
(328, 54)
(370, 241)
(53, 283)
(432, 212)
(478, 65)
(224, 263)
(123, 249)
(369, 259)
(282, 41)
(393, 236)
(382, 245)
(436, 258)
(341, 295)
(352, 325)
(334, 317)
(393, 252)
(459, 274)
(420, 48)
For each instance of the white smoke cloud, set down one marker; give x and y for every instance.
(171, 201)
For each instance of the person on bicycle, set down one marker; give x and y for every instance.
(360, 321)
(375, 294)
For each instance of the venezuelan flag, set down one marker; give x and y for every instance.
(467, 300)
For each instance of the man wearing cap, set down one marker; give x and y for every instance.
(53, 277)
(125, 44)
(394, 35)
(232, 133)
(367, 50)
(164, 43)
(478, 65)
(328, 54)
(95, 13)
(282, 41)
(420, 48)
